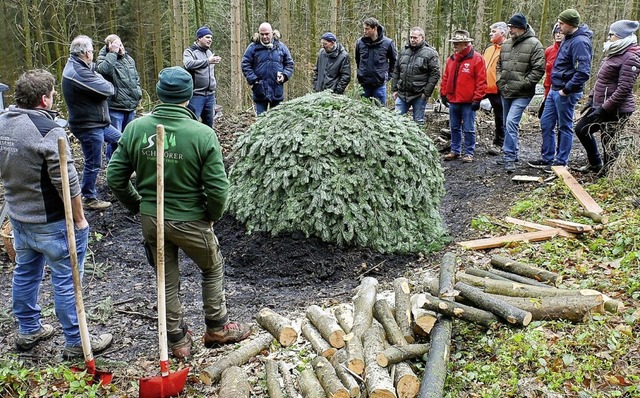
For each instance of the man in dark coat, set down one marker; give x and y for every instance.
(415, 76)
(267, 65)
(375, 58)
(333, 68)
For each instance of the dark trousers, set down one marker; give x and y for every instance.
(608, 125)
(496, 105)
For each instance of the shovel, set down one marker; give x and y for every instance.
(167, 384)
(100, 376)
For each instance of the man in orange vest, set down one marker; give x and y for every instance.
(497, 35)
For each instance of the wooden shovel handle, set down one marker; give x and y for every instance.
(162, 309)
(73, 254)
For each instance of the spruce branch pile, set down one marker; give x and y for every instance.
(341, 170)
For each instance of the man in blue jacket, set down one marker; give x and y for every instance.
(85, 92)
(569, 74)
(267, 64)
(376, 59)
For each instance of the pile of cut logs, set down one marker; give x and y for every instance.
(366, 348)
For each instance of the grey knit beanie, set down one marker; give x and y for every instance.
(623, 28)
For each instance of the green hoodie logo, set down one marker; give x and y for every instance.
(169, 142)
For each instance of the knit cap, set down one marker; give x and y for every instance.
(203, 31)
(623, 28)
(570, 16)
(175, 85)
(518, 20)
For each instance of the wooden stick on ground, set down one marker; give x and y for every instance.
(279, 326)
(481, 273)
(570, 226)
(309, 384)
(273, 380)
(328, 378)
(537, 227)
(423, 320)
(402, 293)
(570, 308)
(234, 384)
(461, 311)
(511, 314)
(339, 364)
(211, 374)
(383, 313)
(396, 354)
(435, 370)
(530, 271)
(490, 243)
(344, 316)
(577, 191)
(319, 344)
(378, 380)
(289, 387)
(327, 325)
(517, 278)
(406, 382)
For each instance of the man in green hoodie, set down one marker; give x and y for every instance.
(196, 189)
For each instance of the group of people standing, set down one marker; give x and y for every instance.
(102, 98)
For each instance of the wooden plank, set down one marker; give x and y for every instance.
(490, 243)
(532, 226)
(568, 225)
(576, 189)
(523, 178)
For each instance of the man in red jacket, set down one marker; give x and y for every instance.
(462, 88)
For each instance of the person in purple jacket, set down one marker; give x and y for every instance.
(611, 101)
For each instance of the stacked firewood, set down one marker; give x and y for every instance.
(366, 348)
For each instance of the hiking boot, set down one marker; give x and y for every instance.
(590, 169)
(539, 164)
(510, 166)
(451, 156)
(494, 151)
(98, 344)
(26, 342)
(232, 332)
(182, 349)
(95, 204)
(467, 158)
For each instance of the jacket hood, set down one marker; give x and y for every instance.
(336, 51)
(416, 48)
(256, 36)
(367, 40)
(527, 34)
(583, 30)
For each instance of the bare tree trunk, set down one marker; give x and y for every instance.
(479, 22)
(26, 27)
(237, 50)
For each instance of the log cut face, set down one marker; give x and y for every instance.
(280, 327)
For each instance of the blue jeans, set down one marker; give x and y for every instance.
(462, 119)
(558, 109)
(379, 93)
(263, 106)
(120, 119)
(91, 142)
(512, 109)
(418, 105)
(202, 106)
(35, 245)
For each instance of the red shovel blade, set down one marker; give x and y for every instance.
(163, 386)
(97, 376)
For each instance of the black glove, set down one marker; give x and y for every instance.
(444, 100)
(588, 106)
(596, 114)
(475, 105)
(541, 110)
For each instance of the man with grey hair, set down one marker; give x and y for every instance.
(31, 177)
(86, 92)
(498, 35)
(415, 76)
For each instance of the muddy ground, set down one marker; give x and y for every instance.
(286, 273)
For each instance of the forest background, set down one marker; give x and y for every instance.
(37, 33)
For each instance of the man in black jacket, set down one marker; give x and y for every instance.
(415, 76)
(333, 68)
(376, 58)
(86, 93)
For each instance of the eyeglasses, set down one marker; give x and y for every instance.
(611, 34)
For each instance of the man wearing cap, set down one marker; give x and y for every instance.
(86, 93)
(415, 76)
(569, 74)
(333, 68)
(196, 188)
(498, 35)
(611, 101)
(375, 59)
(267, 65)
(520, 68)
(462, 88)
(200, 61)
